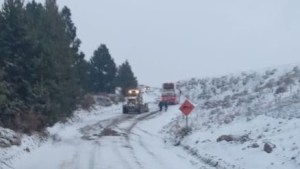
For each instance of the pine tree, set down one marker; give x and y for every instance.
(125, 77)
(60, 78)
(102, 71)
(36, 18)
(82, 72)
(3, 92)
(70, 29)
(59, 65)
(14, 45)
(80, 64)
(42, 72)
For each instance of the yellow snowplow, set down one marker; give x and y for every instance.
(134, 102)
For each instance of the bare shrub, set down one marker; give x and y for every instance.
(115, 98)
(242, 139)
(87, 102)
(103, 100)
(211, 104)
(227, 138)
(185, 131)
(225, 103)
(280, 89)
(32, 122)
(28, 121)
(228, 119)
(254, 145)
(17, 121)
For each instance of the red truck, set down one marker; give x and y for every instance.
(169, 94)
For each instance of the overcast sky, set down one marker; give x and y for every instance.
(170, 40)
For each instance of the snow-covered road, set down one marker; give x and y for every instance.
(241, 125)
(110, 140)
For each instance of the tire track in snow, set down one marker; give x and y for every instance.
(136, 119)
(93, 153)
(117, 150)
(106, 152)
(146, 132)
(139, 143)
(93, 132)
(139, 119)
(128, 132)
(149, 153)
(71, 164)
(124, 161)
(154, 157)
(4, 163)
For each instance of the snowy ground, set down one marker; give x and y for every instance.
(282, 134)
(106, 138)
(257, 108)
(254, 109)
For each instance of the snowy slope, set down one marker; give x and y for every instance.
(254, 109)
(37, 146)
(250, 110)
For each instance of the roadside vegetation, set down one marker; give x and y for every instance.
(44, 76)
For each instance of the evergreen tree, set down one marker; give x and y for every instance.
(80, 64)
(82, 72)
(43, 75)
(40, 60)
(2, 92)
(60, 80)
(125, 77)
(102, 71)
(70, 29)
(14, 61)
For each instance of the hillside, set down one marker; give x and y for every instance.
(246, 120)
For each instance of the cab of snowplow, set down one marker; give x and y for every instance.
(133, 93)
(134, 96)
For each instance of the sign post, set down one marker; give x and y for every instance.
(186, 109)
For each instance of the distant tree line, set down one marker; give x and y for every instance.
(43, 74)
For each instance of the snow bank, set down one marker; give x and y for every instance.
(14, 145)
(9, 138)
(263, 106)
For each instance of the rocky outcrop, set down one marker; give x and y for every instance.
(268, 147)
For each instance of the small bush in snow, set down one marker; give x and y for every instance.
(116, 98)
(242, 139)
(227, 138)
(185, 131)
(226, 102)
(103, 100)
(32, 122)
(254, 145)
(87, 102)
(281, 89)
(228, 119)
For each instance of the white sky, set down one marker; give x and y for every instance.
(169, 40)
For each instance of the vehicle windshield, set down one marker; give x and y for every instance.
(168, 86)
(133, 93)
